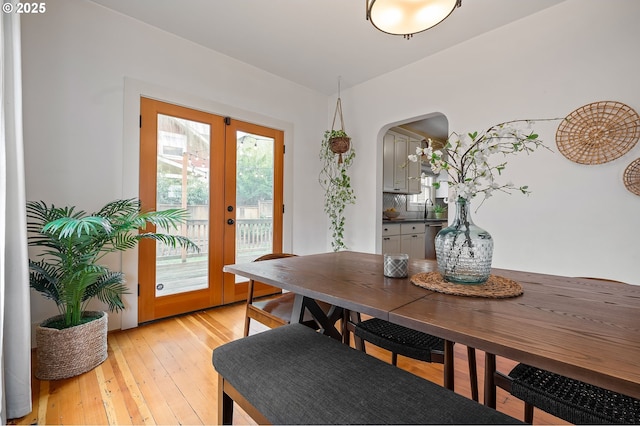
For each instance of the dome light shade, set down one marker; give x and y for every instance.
(408, 17)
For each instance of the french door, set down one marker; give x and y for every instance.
(228, 174)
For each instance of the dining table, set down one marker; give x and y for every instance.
(583, 328)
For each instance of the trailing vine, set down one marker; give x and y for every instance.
(337, 186)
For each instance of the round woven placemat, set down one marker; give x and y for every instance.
(496, 287)
(632, 176)
(599, 132)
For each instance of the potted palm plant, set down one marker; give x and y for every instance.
(69, 273)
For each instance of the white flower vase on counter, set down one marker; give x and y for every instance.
(463, 250)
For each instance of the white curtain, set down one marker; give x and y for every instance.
(15, 329)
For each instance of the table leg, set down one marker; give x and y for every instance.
(297, 315)
(335, 313)
(489, 380)
(325, 321)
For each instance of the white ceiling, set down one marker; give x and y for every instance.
(316, 42)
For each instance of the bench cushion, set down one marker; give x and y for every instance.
(294, 375)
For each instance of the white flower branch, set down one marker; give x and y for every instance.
(466, 158)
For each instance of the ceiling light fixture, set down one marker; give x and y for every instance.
(408, 17)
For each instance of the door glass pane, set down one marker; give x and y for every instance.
(254, 196)
(183, 182)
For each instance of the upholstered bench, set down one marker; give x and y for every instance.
(294, 375)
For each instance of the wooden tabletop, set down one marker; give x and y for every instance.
(581, 328)
(351, 280)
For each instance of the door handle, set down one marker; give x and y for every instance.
(230, 221)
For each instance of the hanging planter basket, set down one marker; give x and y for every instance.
(339, 144)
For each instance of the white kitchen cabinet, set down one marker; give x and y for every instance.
(391, 238)
(399, 174)
(391, 244)
(404, 238)
(412, 239)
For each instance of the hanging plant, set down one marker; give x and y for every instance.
(337, 186)
(334, 178)
(339, 141)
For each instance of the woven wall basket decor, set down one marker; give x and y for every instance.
(631, 176)
(598, 132)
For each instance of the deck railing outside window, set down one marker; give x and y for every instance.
(251, 235)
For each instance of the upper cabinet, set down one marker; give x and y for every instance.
(400, 175)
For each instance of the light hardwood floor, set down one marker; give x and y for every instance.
(161, 373)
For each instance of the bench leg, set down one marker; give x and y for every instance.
(227, 397)
(225, 405)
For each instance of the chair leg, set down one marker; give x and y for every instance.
(489, 380)
(528, 413)
(359, 343)
(246, 326)
(249, 302)
(473, 372)
(353, 319)
(449, 368)
(344, 327)
(394, 359)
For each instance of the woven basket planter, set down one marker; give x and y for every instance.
(71, 351)
(339, 145)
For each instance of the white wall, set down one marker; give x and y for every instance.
(78, 148)
(580, 220)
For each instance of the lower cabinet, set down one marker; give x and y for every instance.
(391, 244)
(404, 238)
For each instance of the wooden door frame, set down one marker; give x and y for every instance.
(134, 89)
(230, 291)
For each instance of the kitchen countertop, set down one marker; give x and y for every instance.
(412, 220)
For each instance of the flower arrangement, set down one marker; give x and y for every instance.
(466, 158)
(463, 250)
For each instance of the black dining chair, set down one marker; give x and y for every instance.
(400, 340)
(569, 399)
